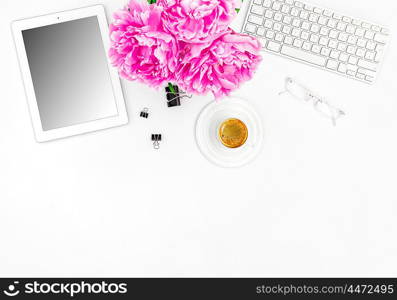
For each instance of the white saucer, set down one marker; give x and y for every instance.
(207, 128)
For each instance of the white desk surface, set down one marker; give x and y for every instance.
(319, 201)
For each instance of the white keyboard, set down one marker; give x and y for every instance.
(320, 37)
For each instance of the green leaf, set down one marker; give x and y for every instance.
(238, 9)
(151, 1)
(171, 87)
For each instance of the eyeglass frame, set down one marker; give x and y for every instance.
(316, 100)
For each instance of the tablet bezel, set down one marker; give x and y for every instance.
(42, 136)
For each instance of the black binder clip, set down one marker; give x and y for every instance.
(156, 139)
(174, 95)
(145, 113)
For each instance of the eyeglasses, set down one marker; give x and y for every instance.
(300, 92)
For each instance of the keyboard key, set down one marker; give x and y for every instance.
(285, 9)
(287, 29)
(379, 53)
(315, 28)
(261, 31)
(324, 31)
(278, 17)
(258, 2)
(371, 45)
(259, 10)
(366, 25)
(255, 19)
(299, 4)
(305, 25)
(314, 38)
(356, 22)
(351, 73)
(332, 23)
(298, 43)
(380, 38)
(318, 10)
(375, 28)
(304, 15)
(333, 34)
(325, 51)
(277, 26)
(250, 28)
(367, 65)
(385, 31)
(270, 34)
(347, 19)
(360, 52)
(313, 18)
(343, 57)
(360, 32)
(343, 37)
(269, 14)
(279, 37)
(370, 55)
(288, 40)
(303, 55)
(334, 54)
(351, 29)
(337, 16)
(324, 41)
(342, 47)
(341, 26)
(305, 35)
(268, 24)
(332, 64)
(295, 12)
(287, 20)
(296, 22)
(369, 35)
(322, 20)
(360, 76)
(276, 5)
(333, 44)
(351, 49)
(267, 3)
(352, 68)
(352, 40)
(361, 43)
(273, 46)
(307, 46)
(353, 60)
(296, 32)
(342, 68)
(316, 48)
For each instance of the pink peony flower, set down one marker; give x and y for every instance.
(141, 48)
(220, 67)
(198, 21)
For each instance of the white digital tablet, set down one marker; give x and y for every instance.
(70, 84)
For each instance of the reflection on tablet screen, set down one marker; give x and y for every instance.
(70, 73)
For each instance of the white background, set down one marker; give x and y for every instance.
(319, 201)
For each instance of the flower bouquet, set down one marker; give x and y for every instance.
(185, 43)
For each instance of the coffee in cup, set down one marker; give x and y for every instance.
(233, 133)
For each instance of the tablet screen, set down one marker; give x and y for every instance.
(70, 73)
